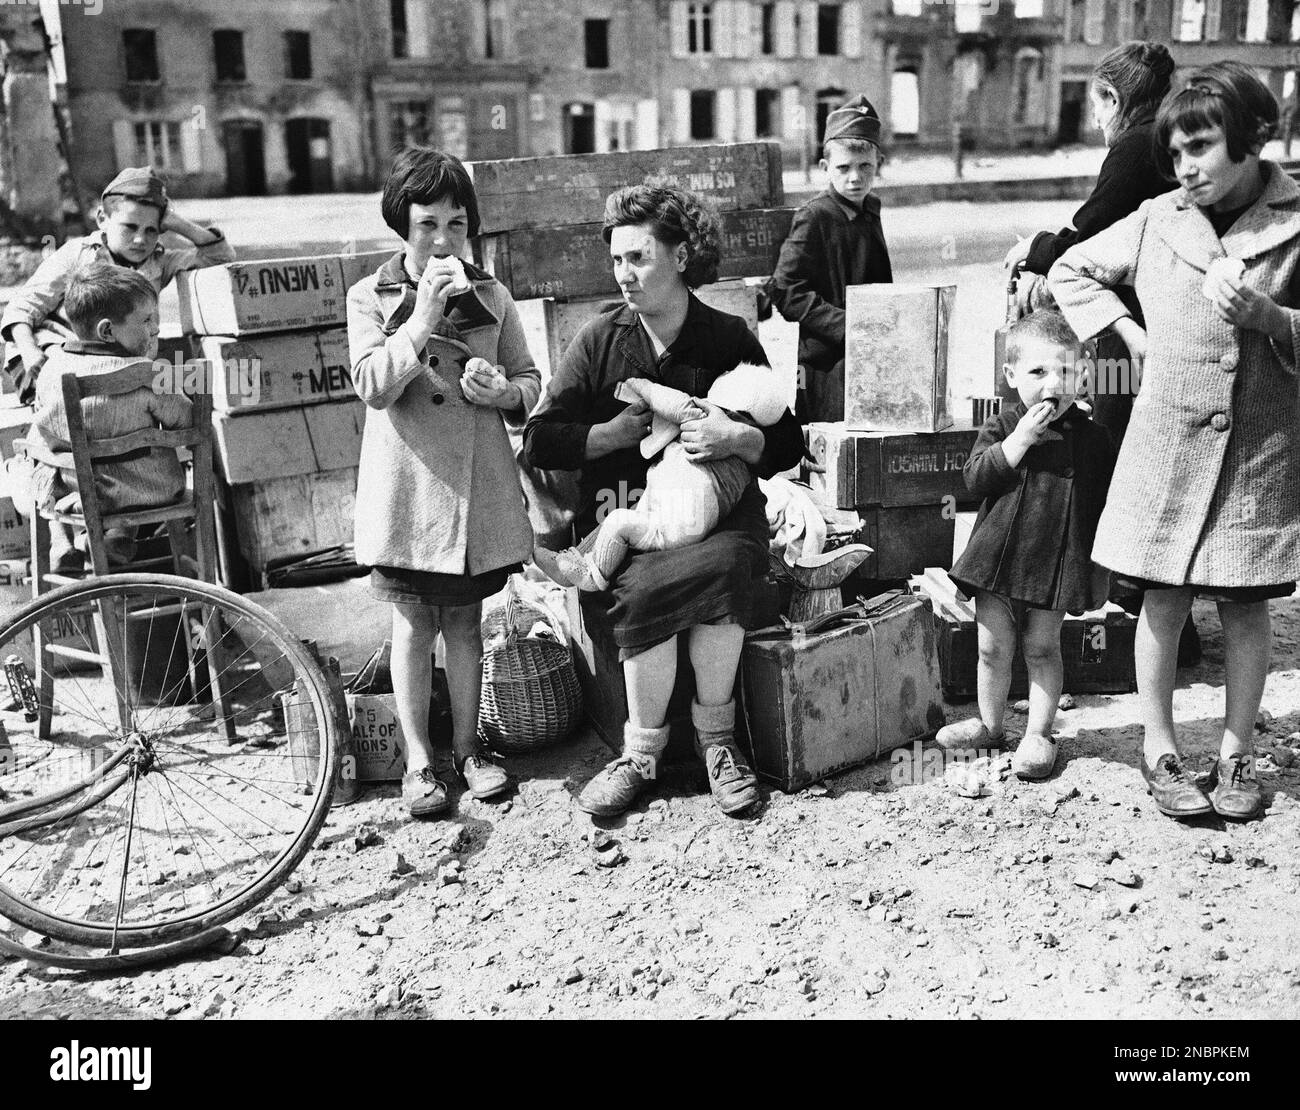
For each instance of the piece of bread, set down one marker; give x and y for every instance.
(1230, 268)
(450, 265)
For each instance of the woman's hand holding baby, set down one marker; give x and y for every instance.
(624, 431)
(485, 384)
(716, 436)
(1030, 431)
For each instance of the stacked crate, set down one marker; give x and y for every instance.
(542, 217)
(270, 341)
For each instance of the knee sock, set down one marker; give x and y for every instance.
(608, 552)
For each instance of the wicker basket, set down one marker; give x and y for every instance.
(531, 695)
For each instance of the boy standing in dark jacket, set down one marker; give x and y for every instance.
(835, 241)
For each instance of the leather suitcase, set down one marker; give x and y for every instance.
(842, 690)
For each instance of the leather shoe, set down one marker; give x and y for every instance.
(1236, 794)
(731, 782)
(482, 775)
(617, 786)
(1174, 791)
(970, 733)
(424, 793)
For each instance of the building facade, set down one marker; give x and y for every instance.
(242, 97)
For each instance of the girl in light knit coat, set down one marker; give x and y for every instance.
(1205, 501)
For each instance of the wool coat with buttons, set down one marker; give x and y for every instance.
(1207, 485)
(438, 489)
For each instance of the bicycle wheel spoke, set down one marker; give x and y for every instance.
(192, 825)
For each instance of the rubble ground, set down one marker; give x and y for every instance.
(863, 896)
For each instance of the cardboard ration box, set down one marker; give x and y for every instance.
(572, 188)
(573, 260)
(896, 357)
(842, 690)
(277, 371)
(376, 737)
(282, 443)
(887, 468)
(1096, 648)
(564, 319)
(15, 537)
(281, 294)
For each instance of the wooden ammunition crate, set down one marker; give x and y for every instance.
(887, 468)
(284, 443)
(905, 540)
(1096, 648)
(564, 319)
(573, 260)
(856, 685)
(282, 517)
(571, 188)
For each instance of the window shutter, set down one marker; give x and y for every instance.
(1213, 15)
(791, 112)
(724, 27)
(808, 29)
(746, 125)
(677, 24)
(786, 46)
(191, 145)
(417, 29)
(124, 143)
(647, 125)
(851, 29)
(743, 21)
(726, 129)
(682, 115)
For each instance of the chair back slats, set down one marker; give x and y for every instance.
(139, 375)
(145, 437)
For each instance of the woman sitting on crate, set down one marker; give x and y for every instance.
(663, 244)
(440, 359)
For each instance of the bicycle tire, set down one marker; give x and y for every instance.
(167, 928)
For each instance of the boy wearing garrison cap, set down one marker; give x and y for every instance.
(835, 241)
(133, 212)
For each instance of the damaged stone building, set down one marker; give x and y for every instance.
(242, 97)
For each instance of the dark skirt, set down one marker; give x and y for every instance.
(423, 587)
(658, 594)
(1239, 595)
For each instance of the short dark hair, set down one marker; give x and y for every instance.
(675, 216)
(1226, 95)
(1139, 74)
(1046, 324)
(422, 175)
(104, 292)
(114, 201)
(851, 146)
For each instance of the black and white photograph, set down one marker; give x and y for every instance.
(651, 510)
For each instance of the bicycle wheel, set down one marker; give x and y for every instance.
(173, 789)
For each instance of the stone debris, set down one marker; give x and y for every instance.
(366, 836)
(1086, 879)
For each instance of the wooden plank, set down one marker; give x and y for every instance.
(573, 261)
(887, 468)
(294, 516)
(896, 357)
(564, 319)
(283, 443)
(518, 193)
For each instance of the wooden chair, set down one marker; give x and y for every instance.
(195, 507)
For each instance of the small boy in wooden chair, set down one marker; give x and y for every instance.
(114, 313)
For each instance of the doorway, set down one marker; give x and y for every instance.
(1074, 95)
(245, 158)
(579, 129)
(311, 166)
